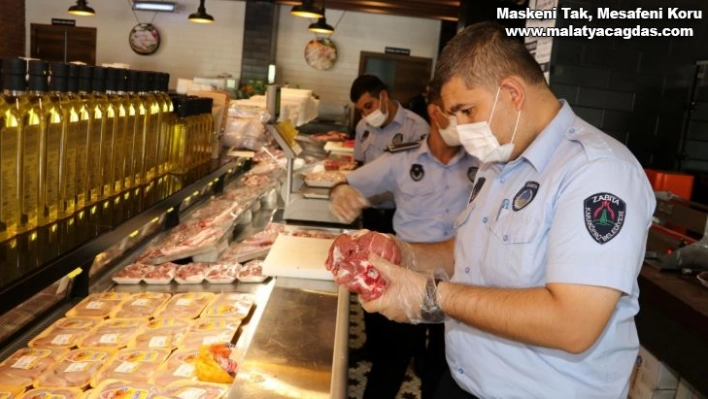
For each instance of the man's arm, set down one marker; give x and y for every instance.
(424, 257)
(569, 317)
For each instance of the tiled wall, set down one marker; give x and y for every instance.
(259, 36)
(637, 90)
(12, 24)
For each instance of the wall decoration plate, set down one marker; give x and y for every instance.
(321, 53)
(144, 39)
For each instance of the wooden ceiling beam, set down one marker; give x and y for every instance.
(443, 10)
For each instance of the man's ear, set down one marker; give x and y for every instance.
(433, 112)
(516, 89)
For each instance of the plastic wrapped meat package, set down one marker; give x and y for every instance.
(162, 333)
(97, 305)
(252, 247)
(186, 305)
(232, 305)
(252, 272)
(11, 391)
(131, 365)
(218, 212)
(195, 390)
(75, 369)
(23, 366)
(125, 389)
(210, 331)
(63, 393)
(179, 366)
(142, 304)
(191, 273)
(327, 178)
(113, 333)
(132, 274)
(161, 274)
(65, 332)
(183, 241)
(223, 273)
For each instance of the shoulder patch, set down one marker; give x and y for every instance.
(604, 215)
(417, 172)
(525, 195)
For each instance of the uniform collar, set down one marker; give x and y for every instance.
(400, 116)
(539, 153)
(424, 151)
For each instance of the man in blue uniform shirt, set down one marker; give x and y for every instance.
(546, 254)
(430, 185)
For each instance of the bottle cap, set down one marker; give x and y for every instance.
(13, 73)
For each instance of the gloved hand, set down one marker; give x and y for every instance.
(346, 203)
(404, 294)
(408, 259)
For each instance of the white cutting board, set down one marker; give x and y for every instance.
(301, 257)
(338, 146)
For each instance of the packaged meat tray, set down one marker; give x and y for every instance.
(65, 332)
(217, 212)
(210, 331)
(191, 273)
(185, 240)
(196, 390)
(252, 272)
(140, 305)
(161, 274)
(97, 305)
(125, 389)
(23, 366)
(231, 305)
(75, 369)
(113, 333)
(327, 178)
(179, 366)
(312, 233)
(252, 247)
(52, 393)
(186, 305)
(132, 274)
(163, 333)
(136, 365)
(223, 274)
(11, 391)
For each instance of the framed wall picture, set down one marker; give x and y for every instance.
(144, 39)
(321, 53)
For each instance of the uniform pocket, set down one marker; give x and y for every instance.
(515, 252)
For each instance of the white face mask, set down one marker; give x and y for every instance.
(480, 142)
(377, 118)
(449, 134)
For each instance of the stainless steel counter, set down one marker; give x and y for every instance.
(299, 348)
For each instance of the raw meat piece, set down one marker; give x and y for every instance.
(265, 237)
(41, 393)
(23, 366)
(216, 212)
(332, 135)
(132, 274)
(264, 156)
(252, 272)
(163, 333)
(65, 332)
(97, 305)
(113, 333)
(186, 305)
(74, 369)
(178, 367)
(255, 180)
(122, 389)
(191, 273)
(223, 274)
(231, 305)
(312, 234)
(348, 261)
(132, 365)
(263, 168)
(327, 178)
(196, 390)
(210, 331)
(143, 304)
(161, 274)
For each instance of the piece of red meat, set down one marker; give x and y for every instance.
(348, 261)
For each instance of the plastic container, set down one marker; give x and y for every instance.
(233, 306)
(11, 391)
(65, 332)
(161, 274)
(74, 369)
(186, 305)
(63, 393)
(163, 333)
(195, 390)
(119, 388)
(113, 333)
(97, 305)
(223, 274)
(179, 366)
(143, 304)
(23, 366)
(210, 331)
(134, 365)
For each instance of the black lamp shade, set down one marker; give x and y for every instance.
(307, 10)
(321, 26)
(81, 8)
(201, 16)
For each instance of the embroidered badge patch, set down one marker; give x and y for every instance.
(477, 187)
(472, 173)
(604, 215)
(525, 195)
(417, 172)
(397, 138)
(365, 135)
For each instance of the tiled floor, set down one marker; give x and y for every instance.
(410, 389)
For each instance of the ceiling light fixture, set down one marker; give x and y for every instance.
(147, 5)
(201, 16)
(307, 10)
(81, 8)
(321, 26)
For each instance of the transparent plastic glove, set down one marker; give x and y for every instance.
(405, 292)
(408, 259)
(346, 203)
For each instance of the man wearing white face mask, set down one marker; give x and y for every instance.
(430, 185)
(547, 252)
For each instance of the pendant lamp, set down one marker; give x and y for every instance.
(201, 16)
(321, 26)
(307, 10)
(81, 8)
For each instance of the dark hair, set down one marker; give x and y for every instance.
(366, 84)
(433, 96)
(482, 54)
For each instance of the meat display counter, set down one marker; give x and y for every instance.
(293, 342)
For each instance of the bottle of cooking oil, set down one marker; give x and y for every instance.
(76, 146)
(180, 156)
(206, 129)
(153, 122)
(59, 94)
(116, 147)
(14, 87)
(102, 141)
(83, 145)
(138, 136)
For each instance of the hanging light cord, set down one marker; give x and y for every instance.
(130, 4)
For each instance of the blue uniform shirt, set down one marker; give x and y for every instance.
(429, 195)
(574, 208)
(370, 142)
